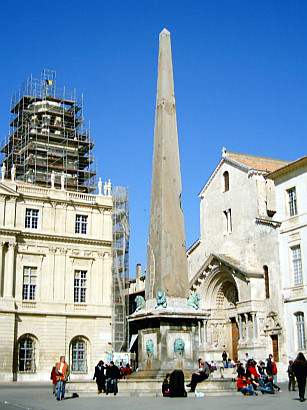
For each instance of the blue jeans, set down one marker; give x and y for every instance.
(248, 389)
(61, 387)
(109, 380)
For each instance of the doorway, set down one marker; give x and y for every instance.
(275, 347)
(235, 339)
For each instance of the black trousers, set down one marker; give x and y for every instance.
(291, 385)
(196, 378)
(301, 381)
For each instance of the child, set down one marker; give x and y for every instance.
(54, 379)
(291, 376)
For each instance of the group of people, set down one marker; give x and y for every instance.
(253, 377)
(103, 373)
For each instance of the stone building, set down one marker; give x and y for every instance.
(234, 265)
(57, 246)
(291, 199)
(56, 276)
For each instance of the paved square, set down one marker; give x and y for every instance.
(20, 396)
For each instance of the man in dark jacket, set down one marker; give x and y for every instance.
(199, 376)
(113, 374)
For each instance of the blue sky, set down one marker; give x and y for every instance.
(240, 82)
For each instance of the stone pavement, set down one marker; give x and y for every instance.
(20, 396)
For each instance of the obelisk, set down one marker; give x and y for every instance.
(167, 268)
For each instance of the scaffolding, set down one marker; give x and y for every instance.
(120, 270)
(47, 136)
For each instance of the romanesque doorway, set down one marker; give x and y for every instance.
(235, 339)
(275, 347)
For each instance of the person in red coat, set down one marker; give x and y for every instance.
(54, 379)
(245, 386)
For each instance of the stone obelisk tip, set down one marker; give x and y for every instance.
(165, 31)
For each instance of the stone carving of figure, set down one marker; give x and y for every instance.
(13, 172)
(179, 347)
(100, 187)
(150, 348)
(52, 179)
(63, 181)
(3, 170)
(194, 301)
(140, 302)
(105, 189)
(109, 187)
(161, 299)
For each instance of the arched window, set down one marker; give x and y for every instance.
(266, 281)
(226, 181)
(300, 331)
(78, 355)
(26, 354)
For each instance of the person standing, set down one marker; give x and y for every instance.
(224, 358)
(199, 376)
(113, 375)
(300, 370)
(100, 377)
(62, 372)
(53, 377)
(291, 376)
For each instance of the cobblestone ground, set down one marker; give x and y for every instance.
(17, 396)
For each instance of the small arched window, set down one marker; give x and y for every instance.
(300, 331)
(79, 355)
(26, 354)
(226, 181)
(266, 281)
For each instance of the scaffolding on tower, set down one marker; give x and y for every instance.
(47, 136)
(120, 252)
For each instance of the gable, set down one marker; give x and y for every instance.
(7, 190)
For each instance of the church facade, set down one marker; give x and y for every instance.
(56, 280)
(235, 265)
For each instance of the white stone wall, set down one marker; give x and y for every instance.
(293, 232)
(53, 319)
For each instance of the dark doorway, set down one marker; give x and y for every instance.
(275, 347)
(235, 339)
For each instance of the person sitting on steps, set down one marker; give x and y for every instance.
(199, 376)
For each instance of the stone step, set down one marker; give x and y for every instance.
(152, 387)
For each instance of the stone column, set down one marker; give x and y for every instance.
(247, 329)
(9, 274)
(254, 325)
(1, 266)
(205, 332)
(240, 327)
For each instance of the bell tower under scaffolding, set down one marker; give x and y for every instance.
(47, 136)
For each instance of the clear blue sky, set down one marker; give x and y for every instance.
(240, 81)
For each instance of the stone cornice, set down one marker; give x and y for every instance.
(63, 238)
(270, 222)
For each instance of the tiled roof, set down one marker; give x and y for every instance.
(255, 162)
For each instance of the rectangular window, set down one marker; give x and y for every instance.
(300, 329)
(228, 222)
(292, 201)
(31, 218)
(81, 224)
(29, 283)
(297, 265)
(80, 286)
